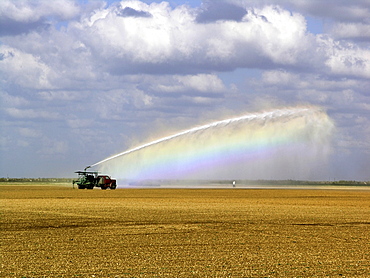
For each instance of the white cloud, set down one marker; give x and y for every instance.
(61, 95)
(202, 82)
(78, 123)
(23, 69)
(31, 114)
(288, 80)
(134, 38)
(34, 10)
(278, 33)
(172, 36)
(345, 59)
(342, 10)
(281, 78)
(120, 104)
(202, 100)
(315, 88)
(8, 100)
(356, 10)
(29, 132)
(190, 84)
(171, 41)
(356, 31)
(53, 147)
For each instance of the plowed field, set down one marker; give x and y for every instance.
(53, 231)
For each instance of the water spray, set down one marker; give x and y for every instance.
(286, 143)
(264, 115)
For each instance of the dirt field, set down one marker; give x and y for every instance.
(60, 232)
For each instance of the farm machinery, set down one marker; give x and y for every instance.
(91, 179)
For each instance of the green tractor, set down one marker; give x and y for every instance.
(91, 179)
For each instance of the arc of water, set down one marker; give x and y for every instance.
(278, 112)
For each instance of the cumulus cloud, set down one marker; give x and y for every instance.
(34, 10)
(351, 31)
(314, 88)
(171, 40)
(159, 39)
(17, 17)
(295, 81)
(23, 68)
(346, 59)
(202, 82)
(339, 10)
(357, 10)
(189, 84)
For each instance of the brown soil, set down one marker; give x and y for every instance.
(60, 232)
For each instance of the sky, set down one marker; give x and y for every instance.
(83, 80)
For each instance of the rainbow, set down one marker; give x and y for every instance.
(272, 144)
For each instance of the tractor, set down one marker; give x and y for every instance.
(91, 179)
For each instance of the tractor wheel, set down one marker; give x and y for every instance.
(113, 186)
(103, 187)
(80, 186)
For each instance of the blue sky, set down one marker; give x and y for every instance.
(83, 80)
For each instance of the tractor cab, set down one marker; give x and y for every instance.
(90, 179)
(86, 179)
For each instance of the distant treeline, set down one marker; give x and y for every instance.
(299, 182)
(39, 180)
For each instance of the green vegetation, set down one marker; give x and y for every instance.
(37, 180)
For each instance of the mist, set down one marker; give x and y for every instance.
(288, 143)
